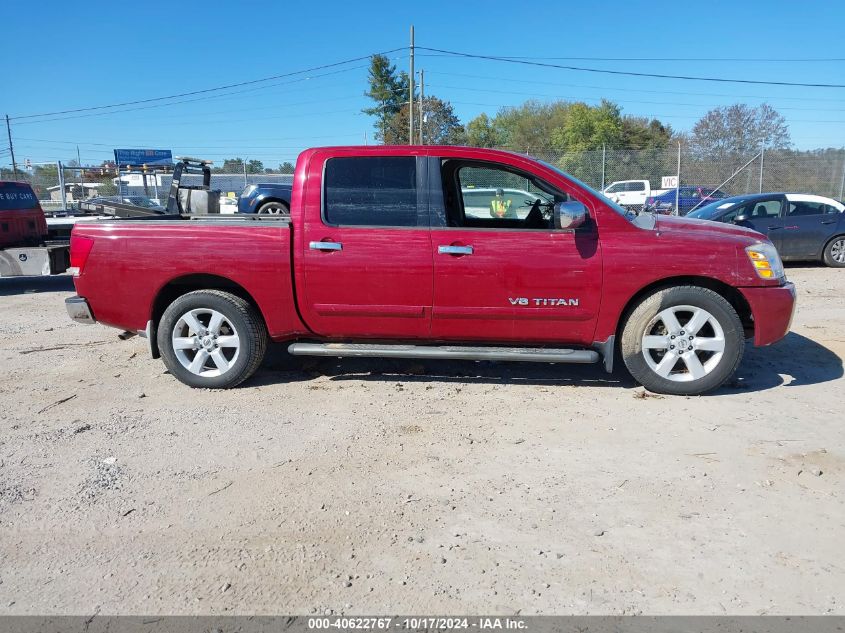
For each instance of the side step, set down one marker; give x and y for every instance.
(361, 350)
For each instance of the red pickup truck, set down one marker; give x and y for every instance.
(405, 252)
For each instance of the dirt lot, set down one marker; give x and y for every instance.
(374, 487)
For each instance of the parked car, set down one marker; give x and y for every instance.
(801, 226)
(690, 197)
(267, 198)
(380, 258)
(631, 193)
(26, 247)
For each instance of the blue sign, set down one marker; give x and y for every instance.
(143, 157)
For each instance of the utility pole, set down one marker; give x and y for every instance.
(12, 149)
(81, 175)
(678, 186)
(411, 95)
(420, 113)
(762, 150)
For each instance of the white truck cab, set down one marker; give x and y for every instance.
(630, 193)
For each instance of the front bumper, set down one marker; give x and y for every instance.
(79, 310)
(772, 308)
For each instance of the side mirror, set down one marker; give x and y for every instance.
(738, 219)
(569, 215)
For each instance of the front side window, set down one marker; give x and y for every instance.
(371, 191)
(496, 197)
(763, 209)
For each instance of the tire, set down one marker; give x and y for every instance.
(231, 350)
(834, 252)
(709, 359)
(274, 208)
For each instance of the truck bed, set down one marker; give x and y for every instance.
(158, 254)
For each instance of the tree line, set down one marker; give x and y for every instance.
(723, 133)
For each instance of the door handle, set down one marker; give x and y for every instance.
(325, 246)
(775, 228)
(828, 221)
(454, 250)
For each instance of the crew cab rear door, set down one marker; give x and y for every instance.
(509, 278)
(366, 248)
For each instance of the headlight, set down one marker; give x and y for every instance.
(765, 260)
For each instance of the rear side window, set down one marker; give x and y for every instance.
(371, 191)
(636, 186)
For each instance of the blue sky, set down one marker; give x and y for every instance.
(63, 55)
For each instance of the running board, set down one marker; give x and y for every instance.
(526, 354)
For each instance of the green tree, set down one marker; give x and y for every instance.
(481, 132)
(440, 125)
(232, 165)
(286, 168)
(642, 133)
(587, 127)
(388, 90)
(254, 167)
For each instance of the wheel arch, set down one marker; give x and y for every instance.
(267, 199)
(179, 286)
(827, 242)
(729, 293)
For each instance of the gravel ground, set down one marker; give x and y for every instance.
(364, 486)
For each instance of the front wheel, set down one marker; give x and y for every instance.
(683, 341)
(211, 339)
(834, 252)
(274, 208)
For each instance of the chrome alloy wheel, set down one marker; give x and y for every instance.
(273, 209)
(837, 250)
(205, 342)
(683, 343)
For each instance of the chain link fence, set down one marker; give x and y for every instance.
(819, 172)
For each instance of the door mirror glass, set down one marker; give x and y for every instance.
(740, 217)
(569, 215)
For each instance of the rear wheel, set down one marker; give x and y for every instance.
(683, 341)
(211, 339)
(834, 252)
(274, 208)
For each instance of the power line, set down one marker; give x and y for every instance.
(206, 90)
(629, 73)
(697, 105)
(661, 92)
(677, 59)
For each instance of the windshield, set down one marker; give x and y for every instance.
(619, 209)
(709, 211)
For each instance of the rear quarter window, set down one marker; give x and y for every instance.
(370, 191)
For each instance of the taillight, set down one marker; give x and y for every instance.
(80, 248)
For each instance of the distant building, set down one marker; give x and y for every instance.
(89, 190)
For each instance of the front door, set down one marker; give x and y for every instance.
(367, 254)
(763, 215)
(510, 278)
